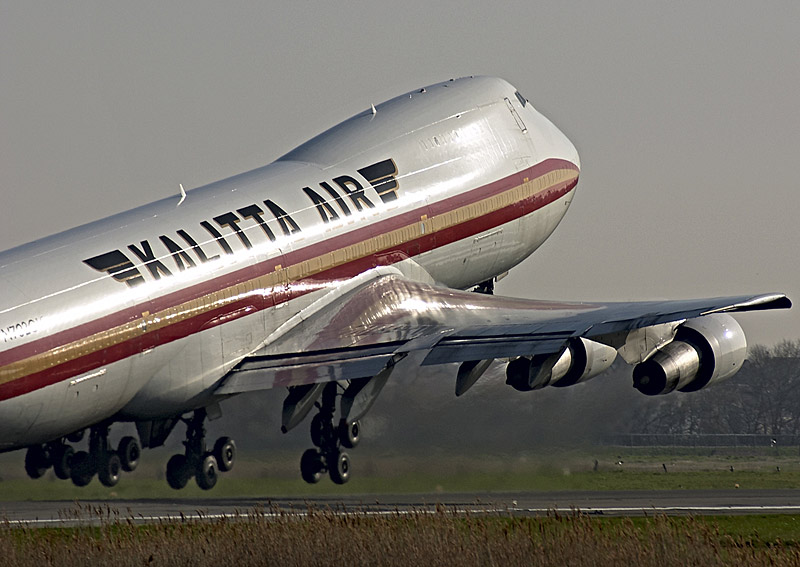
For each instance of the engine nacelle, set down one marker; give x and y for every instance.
(580, 360)
(705, 350)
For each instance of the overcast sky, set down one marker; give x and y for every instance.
(685, 115)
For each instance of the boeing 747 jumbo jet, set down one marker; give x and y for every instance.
(318, 274)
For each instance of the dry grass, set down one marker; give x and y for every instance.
(443, 538)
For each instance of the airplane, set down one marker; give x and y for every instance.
(374, 245)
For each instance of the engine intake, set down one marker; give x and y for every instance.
(706, 350)
(579, 361)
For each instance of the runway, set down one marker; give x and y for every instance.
(612, 503)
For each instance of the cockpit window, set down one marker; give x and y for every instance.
(521, 99)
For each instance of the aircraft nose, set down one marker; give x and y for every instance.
(556, 144)
(566, 147)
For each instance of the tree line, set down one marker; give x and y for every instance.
(418, 410)
(763, 398)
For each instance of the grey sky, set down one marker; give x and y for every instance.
(685, 115)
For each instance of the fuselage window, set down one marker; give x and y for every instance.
(521, 99)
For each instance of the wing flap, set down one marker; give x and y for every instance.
(296, 370)
(388, 316)
(481, 348)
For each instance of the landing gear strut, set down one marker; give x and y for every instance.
(196, 461)
(81, 466)
(100, 460)
(329, 438)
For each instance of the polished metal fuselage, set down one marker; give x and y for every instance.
(140, 315)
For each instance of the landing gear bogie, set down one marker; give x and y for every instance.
(196, 462)
(329, 439)
(81, 466)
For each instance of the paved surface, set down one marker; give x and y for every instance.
(614, 503)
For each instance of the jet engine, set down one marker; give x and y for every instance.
(579, 361)
(705, 350)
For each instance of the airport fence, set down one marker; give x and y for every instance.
(726, 440)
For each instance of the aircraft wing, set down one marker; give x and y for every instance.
(380, 321)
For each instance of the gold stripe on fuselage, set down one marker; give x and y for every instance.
(150, 323)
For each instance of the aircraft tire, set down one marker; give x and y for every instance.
(350, 434)
(110, 469)
(36, 461)
(62, 461)
(225, 453)
(318, 430)
(339, 468)
(82, 469)
(178, 473)
(129, 452)
(206, 474)
(311, 466)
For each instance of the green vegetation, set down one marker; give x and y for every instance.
(273, 477)
(322, 537)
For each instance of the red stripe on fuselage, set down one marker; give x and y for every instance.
(214, 317)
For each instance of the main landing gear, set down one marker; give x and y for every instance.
(81, 466)
(196, 461)
(109, 464)
(328, 439)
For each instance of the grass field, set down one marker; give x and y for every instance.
(277, 475)
(324, 538)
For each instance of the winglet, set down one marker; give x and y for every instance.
(183, 195)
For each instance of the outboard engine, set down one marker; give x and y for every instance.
(706, 350)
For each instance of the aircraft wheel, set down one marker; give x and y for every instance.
(82, 469)
(350, 434)
(110, 469)
(206, 474)
(178, 473)
(339, 468)
(129, 452)
(318, 430)
(225, 453)
(36, 461)
(311, 466)
(62, 461)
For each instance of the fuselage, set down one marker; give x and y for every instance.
(139, 316)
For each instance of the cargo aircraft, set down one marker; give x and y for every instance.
(376, 241)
